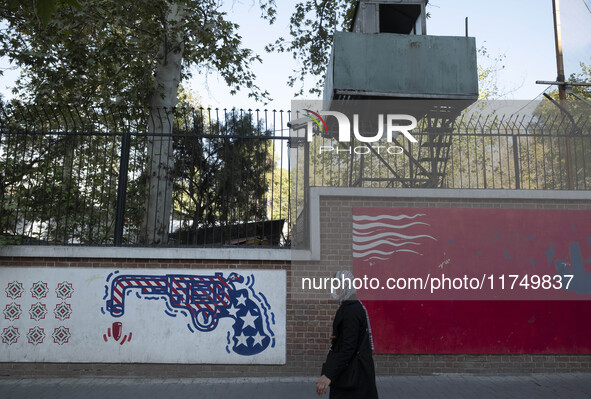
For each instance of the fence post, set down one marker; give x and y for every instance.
(122, 188)
(307, 242)
(516, 161)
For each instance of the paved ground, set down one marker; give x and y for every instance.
(538, 386)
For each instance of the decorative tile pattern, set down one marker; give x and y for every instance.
(14, 290)
(39, 290)
(36, 335)
(62, 311)
(12, 311)
(64, 290)
(10, 335)
(61, 335)
(38, 311)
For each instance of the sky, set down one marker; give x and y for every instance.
(521, 30)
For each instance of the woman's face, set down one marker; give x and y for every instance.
(345, 287)
(336, 293)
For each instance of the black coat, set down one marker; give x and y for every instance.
(351, 334)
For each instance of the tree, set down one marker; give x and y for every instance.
(220, 176)
(56, 186)
(488, 69)
(132, 54)
(570, 129)
(312, 26)
(112, 52)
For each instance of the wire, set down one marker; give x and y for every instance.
(586, 5)
(531, 101)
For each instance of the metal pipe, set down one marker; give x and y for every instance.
(466, 26)
(582, 99)
(561, 87)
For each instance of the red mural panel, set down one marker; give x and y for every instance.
(475, 280)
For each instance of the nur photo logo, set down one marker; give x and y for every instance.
(386, 130)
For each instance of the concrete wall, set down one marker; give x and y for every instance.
(115, 315)
(80, 271)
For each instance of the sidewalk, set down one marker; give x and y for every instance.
(538, 386)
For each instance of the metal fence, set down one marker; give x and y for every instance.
(99, 177)
(236, 177)
(489, 152)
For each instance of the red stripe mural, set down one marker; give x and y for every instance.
(459, 280)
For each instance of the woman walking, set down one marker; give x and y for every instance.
(349, 369)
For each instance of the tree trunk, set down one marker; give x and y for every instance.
(160, 162)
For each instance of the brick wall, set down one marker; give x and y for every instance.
(309, 313)
(336, 254)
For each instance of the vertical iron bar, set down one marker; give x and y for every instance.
(122, 187)
(516, 162)
(484, 162)
(306, 237)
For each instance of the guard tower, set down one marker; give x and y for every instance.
(387, 55)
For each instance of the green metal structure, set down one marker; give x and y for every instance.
(387, 55)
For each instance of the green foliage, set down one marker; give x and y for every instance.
(572, 130)
(312, 26)
(46, 8)
(105, 51)
(488, 68)
(221, 171)
(576, 107)
(278, 180)
(56, 186)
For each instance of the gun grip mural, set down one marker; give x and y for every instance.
(516, 257)
(136, 315)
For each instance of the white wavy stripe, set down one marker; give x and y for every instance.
(392, 234)
(365, 226)
(365, 233)
(374, 257)
(375, 251)
(380, 242)
(366, 237)
(391, 217)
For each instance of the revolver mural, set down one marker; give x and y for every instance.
(205, 300)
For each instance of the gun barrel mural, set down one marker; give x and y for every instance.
(133, 315)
